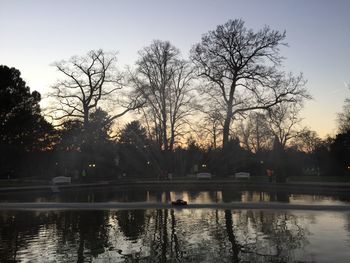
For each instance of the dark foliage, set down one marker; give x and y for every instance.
(21, 123)
(24, 132)
(340, 152)
(138, 155)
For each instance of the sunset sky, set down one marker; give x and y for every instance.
(34, 34)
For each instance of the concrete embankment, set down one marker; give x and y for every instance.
(147, 205)
(295, 187)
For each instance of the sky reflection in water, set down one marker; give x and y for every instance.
(166, 196)
(177, 235)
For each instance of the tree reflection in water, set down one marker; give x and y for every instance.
(259, 235)
(131, 223)
(176, 235)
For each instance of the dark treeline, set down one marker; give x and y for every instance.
(228, 108)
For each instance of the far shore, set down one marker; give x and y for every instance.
(191, 184)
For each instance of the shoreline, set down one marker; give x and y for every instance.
(321, 187)
(149, 205)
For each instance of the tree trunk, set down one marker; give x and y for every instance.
(257, 135)
(229, 115)
(226, 128)
(86, 116)
(172, 140)
(214, 137)
(165, 136)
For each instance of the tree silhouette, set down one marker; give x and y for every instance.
(134, 133)
(70, 136)
(164, 81)
(89, 82)
(283, 120)
(344, 117)
(240, 66)
(254, 132)
(340, 152)
(21, 124)
(209, 128)
(99, 128)
(307, 141)
(133, 142)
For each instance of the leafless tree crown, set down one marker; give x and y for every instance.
(164, 80)
(89, 82)
(343, 118)
(241, 69)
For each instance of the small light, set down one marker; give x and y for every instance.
(93, 165)
(148, 162)
(204, 165)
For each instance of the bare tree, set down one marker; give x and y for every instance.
(241, 66)
(254, 132)
(343, 117)
(209, 127)
(164, 80)
(307, 141)
(89, 82)
(283, 120)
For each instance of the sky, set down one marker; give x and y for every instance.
(36, 33)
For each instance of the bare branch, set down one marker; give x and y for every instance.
(88, 83)
(241, 66)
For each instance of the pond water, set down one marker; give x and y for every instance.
(174, 235)
(156, 195)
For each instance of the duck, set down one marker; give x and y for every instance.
(179, 202)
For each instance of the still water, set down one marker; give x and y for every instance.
(174, 235)
(156, 195)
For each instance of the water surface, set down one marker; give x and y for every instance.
(119, 194)
(174, 235)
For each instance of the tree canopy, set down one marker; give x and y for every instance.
(163, 80)
(240, 67)
(21, 122)
(344, 117)
(90, 82)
